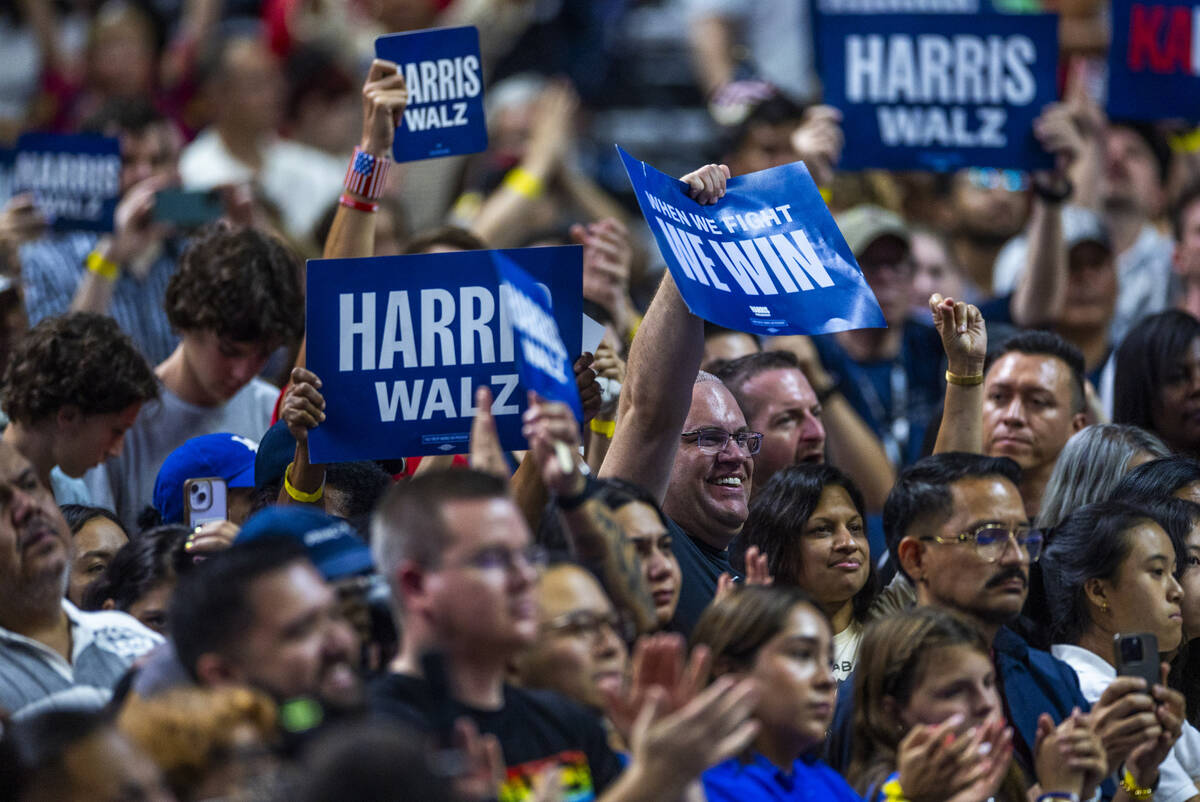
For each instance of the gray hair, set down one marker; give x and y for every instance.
(1090, 466)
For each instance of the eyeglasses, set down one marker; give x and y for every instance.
(714, 441)
(991, 540)
(991, 178)
(499, 557)
(585, 623)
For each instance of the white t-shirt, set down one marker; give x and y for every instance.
(302, 181)
(845, 650)
(1175, 783)
(125, 484)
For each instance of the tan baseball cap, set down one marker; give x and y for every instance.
(866, 223)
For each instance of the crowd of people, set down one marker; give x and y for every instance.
(954, 559)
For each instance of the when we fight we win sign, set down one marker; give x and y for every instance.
(444, 77)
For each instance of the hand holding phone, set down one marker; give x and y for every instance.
(204, 500)
(1137, 656)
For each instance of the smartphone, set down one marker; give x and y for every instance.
(187, 208)
(204, 500)
(1137, 656)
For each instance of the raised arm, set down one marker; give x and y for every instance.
(964, 336)
(503, 219)
(384, 97)
(352, 234)
(663, 362)
(1042, 289)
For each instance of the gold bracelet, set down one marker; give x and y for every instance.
(300, 495)
(603, 427)
(104, 268)
(964, 381)
(1135, 791)
(524, 183)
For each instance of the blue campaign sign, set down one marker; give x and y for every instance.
(546, 366)
(442, 69)
(1153, 61)
(401, 343)
(939, 91)
(767, 258)
(75, 179)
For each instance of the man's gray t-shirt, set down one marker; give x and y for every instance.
(125, 484)
(34, 678)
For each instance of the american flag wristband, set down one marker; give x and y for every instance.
(367, 174)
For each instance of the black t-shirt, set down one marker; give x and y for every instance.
(538, 731)
(700, 565)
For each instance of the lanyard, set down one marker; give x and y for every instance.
(893, 424)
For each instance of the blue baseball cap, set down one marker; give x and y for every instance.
(333, 545)
(229, 456)
(275, 452)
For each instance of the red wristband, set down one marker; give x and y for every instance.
(353, 203)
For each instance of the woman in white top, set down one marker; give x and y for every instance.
(809, 522)
(1110, 570)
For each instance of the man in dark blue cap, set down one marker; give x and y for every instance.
(270, 612)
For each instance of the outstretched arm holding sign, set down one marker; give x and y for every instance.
(384, 97)
(352, 234)
(663, 362)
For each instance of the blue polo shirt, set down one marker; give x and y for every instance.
(761, 781)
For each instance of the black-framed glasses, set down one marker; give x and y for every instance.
(991, 539)
(714, 441)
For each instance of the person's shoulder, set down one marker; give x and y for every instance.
(261, 390)
(400, 697)
(923, 336)
(113, 631)
(549, 704)
(817, 773)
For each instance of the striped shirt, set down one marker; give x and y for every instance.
(34, 678)
(52, 267)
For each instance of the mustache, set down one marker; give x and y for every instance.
(1007, 574)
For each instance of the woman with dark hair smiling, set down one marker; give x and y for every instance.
(1157, 380)
(809, 523)
(1110, 570)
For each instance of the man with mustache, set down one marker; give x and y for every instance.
(959, 532)
(52, 655)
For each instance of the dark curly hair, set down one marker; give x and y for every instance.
(81, 359)
(240, 283)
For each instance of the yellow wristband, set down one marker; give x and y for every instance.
(892, 792)
(964, 381)
(524, 183)
(104, 268)
(604, 427)
(300, 495)
(826, 194)
(1135, 791)
(633, 328)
